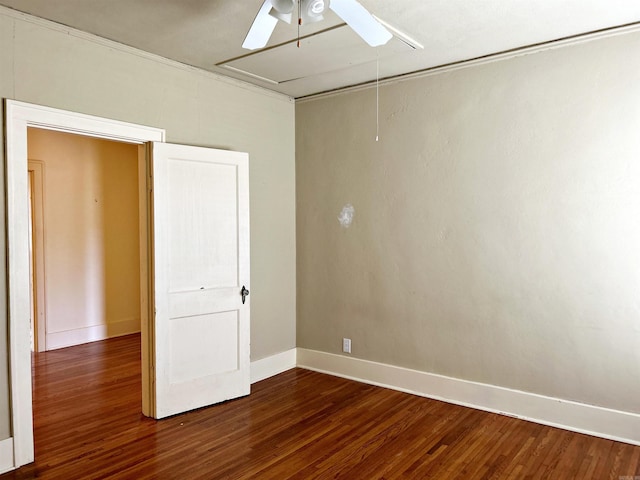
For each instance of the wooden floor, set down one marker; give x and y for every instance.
(299, 424)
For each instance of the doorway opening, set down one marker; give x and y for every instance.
(84, 239)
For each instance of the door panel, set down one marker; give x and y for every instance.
(203, 345)
(200, 261)
(203, 202)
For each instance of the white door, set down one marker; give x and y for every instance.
(200, 260)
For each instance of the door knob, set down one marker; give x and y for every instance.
(244, 292)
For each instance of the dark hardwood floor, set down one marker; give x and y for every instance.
(297, 425)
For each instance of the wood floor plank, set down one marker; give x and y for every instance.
(298, 425)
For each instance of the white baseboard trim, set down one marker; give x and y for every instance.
(555, 412)
(273, 365)
(6, 455)
(94, 333)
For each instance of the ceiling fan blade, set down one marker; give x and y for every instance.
(361, 21)
(261, 29)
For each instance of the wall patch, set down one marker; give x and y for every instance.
(346, 215)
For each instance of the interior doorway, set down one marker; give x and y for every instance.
(19, 448)
(194, 272)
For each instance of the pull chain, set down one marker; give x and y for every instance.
(299, 22)
(377, 95)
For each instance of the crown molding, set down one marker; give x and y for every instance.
(90, 37)
(483, 60)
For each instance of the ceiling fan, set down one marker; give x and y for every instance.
(308, 11)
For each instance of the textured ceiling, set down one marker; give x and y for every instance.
(208, 34)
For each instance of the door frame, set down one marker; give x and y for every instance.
(39, 320)
(18, 117)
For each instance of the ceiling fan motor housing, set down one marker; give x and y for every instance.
(283, 6)
(282, 9)
(309, 11)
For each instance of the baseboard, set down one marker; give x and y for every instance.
(6, 455)
(555, 412)
(94, 333)
(273, 365)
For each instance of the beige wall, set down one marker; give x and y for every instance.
(91, 239)
(496, 227)
(47, 65)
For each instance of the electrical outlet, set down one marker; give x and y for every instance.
(346, 345)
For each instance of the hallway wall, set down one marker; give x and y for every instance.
(91, 238)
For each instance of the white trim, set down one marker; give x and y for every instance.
(19, 116)
(273, 365)
(73, 32)
(6, 455)
(94, 333)
(578, 417)
(88, 125)
(495, 57)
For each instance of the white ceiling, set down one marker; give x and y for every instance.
(208, 34)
